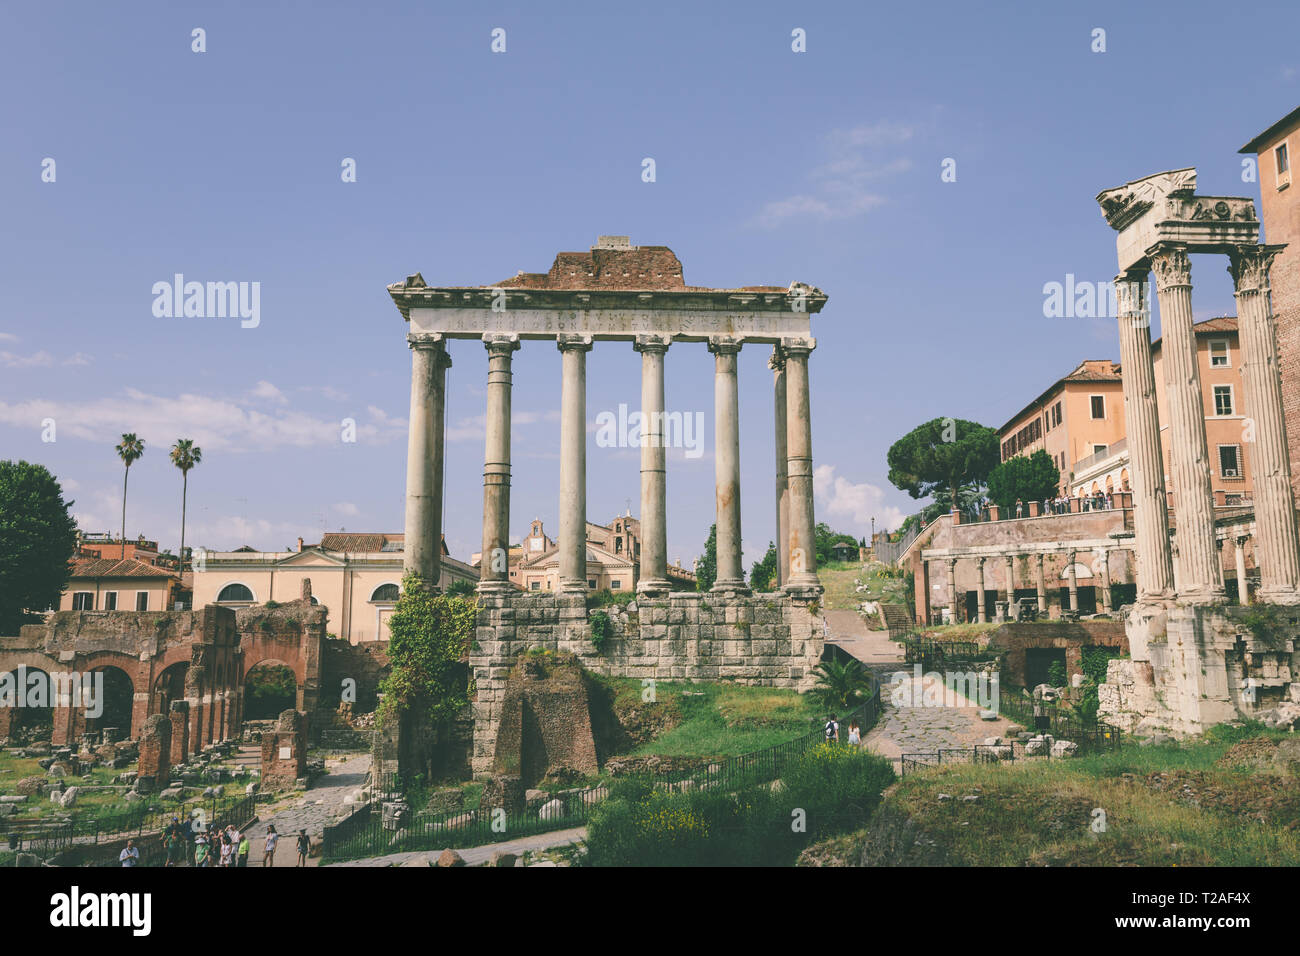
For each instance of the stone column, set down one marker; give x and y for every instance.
(1011, 584)
(654, 520)
(1277, 546)
(726, 424)
(777, 364)
(803, 546)
(979, 595)
(1200, 573)
(1074, 582)
(1041, 581)
(1103, 566)
(952, 590)
(494, 563)
(1155, 573)
(573, 463)
(1243, 588)
(422, 547)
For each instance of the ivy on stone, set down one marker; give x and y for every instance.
(430, 636)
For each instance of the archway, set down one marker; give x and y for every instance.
(270, 688)
(169, 687)
(20, 689)
(118, 703)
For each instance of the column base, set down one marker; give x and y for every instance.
(804, 590)
(653, 587)
(735, 586)
(570, 586)
(1204, 597)
(494, 587)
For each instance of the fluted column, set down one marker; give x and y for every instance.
(1200, 573)
(1277, 545)
(777, 364)
(1011, 582)
(952, 590)
(1041, 582)
(422, 540)
(1243, 587)
(573, 463)
(1155, 572)
(653, 577)
(726, 427)
(494, 562)
(979, 595)
(1074, 582)
(803, 545)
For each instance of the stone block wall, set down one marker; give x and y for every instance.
(284, 752)
(765, 639)
(1015, 639)
(154, 767)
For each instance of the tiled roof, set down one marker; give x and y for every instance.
(1217, 325)
(354, 542)
(114, 568)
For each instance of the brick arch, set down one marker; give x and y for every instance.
(298, 678)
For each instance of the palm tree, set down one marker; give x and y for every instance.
(184, 456)
(130, 450)
(841, 684)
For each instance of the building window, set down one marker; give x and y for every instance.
(591, 583)
(83, 601)
(384, 594)
(235, 593)
(1056, 414)
(1098, 406)
(534, 585)
(142, 600)
(1219, 353)
(1099, 449)
(616, 584)
(1283, 162)
(1223, 399)
(110, 600)
(1230, 461)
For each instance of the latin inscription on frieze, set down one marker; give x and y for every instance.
(611, 323)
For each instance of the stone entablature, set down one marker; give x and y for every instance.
(771, 640)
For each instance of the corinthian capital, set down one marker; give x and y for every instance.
(1171, 265)
(1249, 266)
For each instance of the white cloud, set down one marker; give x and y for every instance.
(845, 187)
(216, 424)
(347, 508)
(8, 337)
(39, 360)
(855, 504)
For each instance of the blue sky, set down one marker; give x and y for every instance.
(771, 166)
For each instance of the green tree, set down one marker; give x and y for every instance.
(763, 574)
(460, 588)
(826, 539)
(706, 568)
(944, 458)
(1027, 479)
(129, 450)
(37, 540)
(429, 636)
(185, 456)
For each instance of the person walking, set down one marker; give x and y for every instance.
(832, 730)
(130, 855)
(272, 838)
(226, 848)
(855, 734)
(304, 847)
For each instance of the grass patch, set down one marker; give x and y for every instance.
(723, 720)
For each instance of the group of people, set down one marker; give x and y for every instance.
(833, 732)
(1063, 504)
(201, 846)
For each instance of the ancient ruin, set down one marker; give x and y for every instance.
(1195, 660)
(618, 292)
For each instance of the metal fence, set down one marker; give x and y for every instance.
(364, 833)
(934, 654)
(1089, 735)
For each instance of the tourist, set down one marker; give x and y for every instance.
(272, 838)
(130, 855)
(245, 844)
(226, 848)
(187, 839)
(832, 730)
(855, 734)
(1020, 508)
(173, 847)
(304, 847)
(201, 850)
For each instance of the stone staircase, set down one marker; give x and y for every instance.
(249, 756)
(896, 618)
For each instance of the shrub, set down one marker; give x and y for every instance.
(602, 629)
